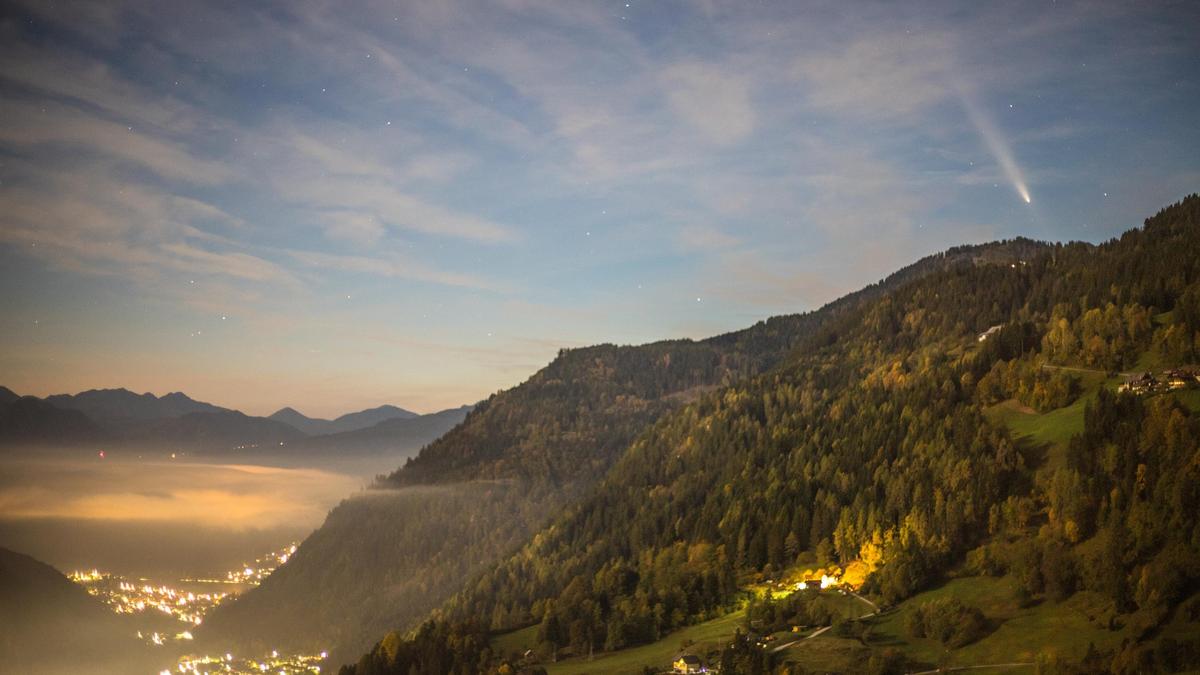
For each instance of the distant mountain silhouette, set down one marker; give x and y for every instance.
(348, 422)
(298, 420)
(119, 417)
(48, 624)
(398, 434)
(119, 406)
(30, 420)
(226, 430)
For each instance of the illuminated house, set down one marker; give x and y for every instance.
(989, 332)
(688, 663)
(1178, 379)
(1138, 384)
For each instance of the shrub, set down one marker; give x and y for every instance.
(948, 621)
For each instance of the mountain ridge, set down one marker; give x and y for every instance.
(407, 434)
(120, 417)
(352, 421)
(115, 406)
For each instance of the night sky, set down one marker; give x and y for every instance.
(336, 205)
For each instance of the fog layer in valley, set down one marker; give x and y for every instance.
(148, 517)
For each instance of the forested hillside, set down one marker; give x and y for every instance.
(567, 423)
(529, 452)
(876, 440)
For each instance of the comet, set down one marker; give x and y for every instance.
(995, 142)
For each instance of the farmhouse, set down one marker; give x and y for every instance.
(1140, 383)
(1178, 379)
(990, 332)
(688, 663)
(1168, 380)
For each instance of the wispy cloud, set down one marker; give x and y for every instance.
(881, 76)
(84, 219)
(354, 177)
(47, 127)
(713, 101)
(706, 237)
(395, 267)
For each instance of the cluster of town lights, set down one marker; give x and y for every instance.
(296, 664)
(125, 597)
(188, 608)
(261, 568)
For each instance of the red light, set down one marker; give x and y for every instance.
(101, 454)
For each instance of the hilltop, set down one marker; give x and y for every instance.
(346, 423)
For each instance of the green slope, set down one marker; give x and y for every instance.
(1019, 634)
(1048, 433)
(701, 638)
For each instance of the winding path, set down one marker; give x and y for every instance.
(815, 633)
(874, 606)
(1075, 369)
(807, 637)
(875, 610)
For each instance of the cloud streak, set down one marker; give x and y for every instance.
(394, 267)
